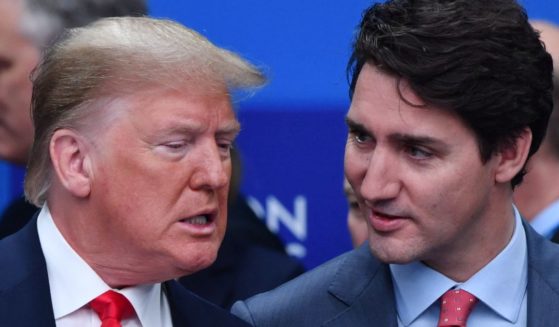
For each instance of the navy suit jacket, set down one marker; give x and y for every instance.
(251, 260)
(355, 289)
(25, 294)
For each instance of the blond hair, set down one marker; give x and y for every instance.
(115, 57)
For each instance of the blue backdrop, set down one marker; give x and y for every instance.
(293, 134)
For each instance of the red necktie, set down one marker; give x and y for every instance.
(112, 307)
(456, 306)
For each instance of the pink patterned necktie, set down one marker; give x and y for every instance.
(112, 307)
(456, 306)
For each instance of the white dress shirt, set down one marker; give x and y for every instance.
(73, 284)
(500, 287)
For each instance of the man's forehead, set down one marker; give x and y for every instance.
(157, 93)
(179, 110)
(373, 79)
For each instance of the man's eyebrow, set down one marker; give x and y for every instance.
(418, 140)
(400, 137)
(355, 126)
(182, 127)
(230, 128)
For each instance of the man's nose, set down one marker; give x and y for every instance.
(382, 179)
(212, 170)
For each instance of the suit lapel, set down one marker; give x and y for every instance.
(543, 280)
(543, 301)
(365, 286)
(375, 306)
(177, 304)
(24, 286)
(188, 310)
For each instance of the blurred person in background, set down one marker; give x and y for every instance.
(356, 222)
(27, 27)
(537, 197)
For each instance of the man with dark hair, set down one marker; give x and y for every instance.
(449, 100)
(537, 197)
(27, 27)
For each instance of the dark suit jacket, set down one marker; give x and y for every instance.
(251, 260)
(25, 294)
(555, 237)
(355, 289)
(240, 274)
(16, 215)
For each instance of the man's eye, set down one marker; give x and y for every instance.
(361, 137)
(354, 205)
(418, 153)
(225, 147)
(175, 145)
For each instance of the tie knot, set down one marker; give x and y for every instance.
(112, 307)
(456, 306)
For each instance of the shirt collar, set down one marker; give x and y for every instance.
(547, 220)
(416, 288)
(500, 285)
(73, 283)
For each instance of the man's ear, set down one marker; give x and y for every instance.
(71, 159)
(512, 157)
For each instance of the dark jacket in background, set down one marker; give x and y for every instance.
(251, 260)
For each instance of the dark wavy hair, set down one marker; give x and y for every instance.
(480, 59)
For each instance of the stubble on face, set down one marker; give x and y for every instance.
(419, 179)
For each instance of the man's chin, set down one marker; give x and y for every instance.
(389, 256)
(192, 264)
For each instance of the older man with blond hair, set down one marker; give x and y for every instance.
(131, 164)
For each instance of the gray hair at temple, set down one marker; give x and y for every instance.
(116, 57)
(44, 20)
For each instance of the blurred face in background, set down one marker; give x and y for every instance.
(18, 57)
(356, 223)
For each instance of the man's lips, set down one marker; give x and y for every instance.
(198, 220)
(384, 222)
(201, 224)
